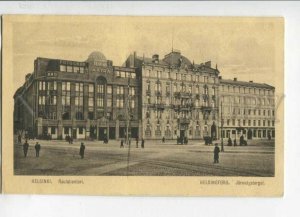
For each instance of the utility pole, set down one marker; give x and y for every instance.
(222, 122)
(128, 116)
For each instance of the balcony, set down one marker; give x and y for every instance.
(206, 108)
(159, 106)
(184, 121)
(158, 93)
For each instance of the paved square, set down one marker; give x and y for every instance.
(156, 159)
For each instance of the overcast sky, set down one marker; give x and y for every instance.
(242, 48)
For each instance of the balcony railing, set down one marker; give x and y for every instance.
(158, 93)
(148, 92)
(184, 121)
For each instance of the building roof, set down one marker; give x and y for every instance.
(96, 56)
(245, 83)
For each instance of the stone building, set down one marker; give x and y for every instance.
(179, 97)
(88, 99)
(248, 109)
(154, 98)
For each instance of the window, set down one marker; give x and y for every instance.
(249, 122)
(53, 130)
(63, 68)
(120, 90)
(109, 89)
(80, 130)
(91, 102)
(228, 122)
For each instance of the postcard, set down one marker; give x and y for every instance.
(133, 105)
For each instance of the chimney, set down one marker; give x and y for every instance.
(155, 58)
(208, 64)
(235, 79)
(134, 57)
(251, 81)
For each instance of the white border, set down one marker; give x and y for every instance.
(177, 206)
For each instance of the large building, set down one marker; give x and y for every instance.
(170, 97)
(85, 100)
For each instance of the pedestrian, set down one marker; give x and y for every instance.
(241, 140)
(71, 140)
(137, 142)
(122, 144)
(81, 151)
(234, 142)
(37, 149)
(216, 153)
(163, 139)
(143, 143)
(19, 139)
(25, 148)
(229, 142)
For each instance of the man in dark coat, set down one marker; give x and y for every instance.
(25, 148)
(137, 142)
(241, 140)
(143, 143)
(234, 142)
(19, 139)
(37, 149)
(122, 144)
(163, 139)
(216, 153)
(229, 142)
(81, 151)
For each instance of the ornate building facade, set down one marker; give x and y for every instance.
(179, 98)
(152, 98)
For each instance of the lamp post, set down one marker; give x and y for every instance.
(222, 122)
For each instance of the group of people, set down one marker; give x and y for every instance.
(137, 143)
(69, 139)
(182, 140)
(37, 148)
(242, 141)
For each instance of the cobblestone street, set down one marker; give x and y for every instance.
(156, 159)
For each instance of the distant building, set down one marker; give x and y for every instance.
(248, 109)
(154, 98)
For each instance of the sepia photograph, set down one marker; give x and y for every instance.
(116, 97)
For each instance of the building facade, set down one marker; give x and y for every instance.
(248, 109)
(85, 100)
(149, 98)
(179, 98)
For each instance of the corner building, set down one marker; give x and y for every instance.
(85, 100)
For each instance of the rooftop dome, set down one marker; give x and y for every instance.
(175, 58)
(96, 56)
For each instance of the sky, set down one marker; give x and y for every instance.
(246, 48)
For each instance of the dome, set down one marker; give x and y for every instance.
(175, 58)
(96, 56)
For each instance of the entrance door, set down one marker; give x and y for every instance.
(112, 133)
(101, 133)
(182, 134)
(249, 136)
(213, 131)
(74, 133)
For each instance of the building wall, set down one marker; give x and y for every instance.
(168, 121)
(247, 108)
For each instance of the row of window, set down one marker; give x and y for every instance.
(178, 76)
(180, 88)
(70, 68)
(123, 74)
(247, 100)
(252, 90)
(241, 111)
(249, 123)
